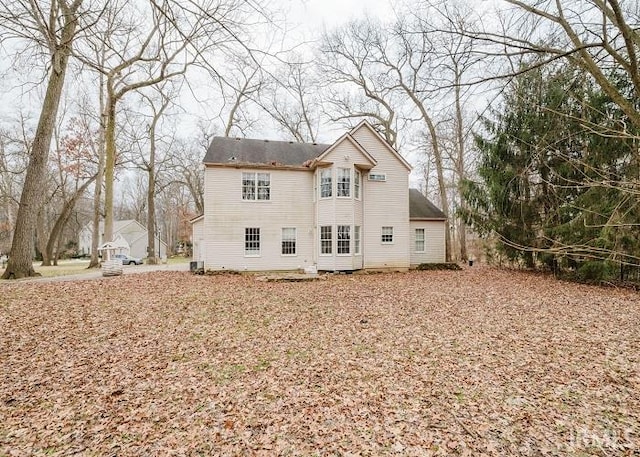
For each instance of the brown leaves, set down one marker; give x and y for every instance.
(479, 362)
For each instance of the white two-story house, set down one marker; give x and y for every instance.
(277, 205)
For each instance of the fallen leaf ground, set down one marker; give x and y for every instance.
(478, 362)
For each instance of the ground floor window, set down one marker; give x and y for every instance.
(344, 239)
(326, 239)
(387, 235)
(420, 240)
(356, 239)
(288, 241)
(252, 241)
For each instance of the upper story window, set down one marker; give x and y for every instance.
(256, 186)
(344, 182)
(387, 235)
(356, 184)
(326, 184)
(377, 177)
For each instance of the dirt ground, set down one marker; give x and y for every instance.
(476, 362)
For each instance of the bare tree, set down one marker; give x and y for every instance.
(158, 102)
(293, 100)
(52, 26)
(346, 61)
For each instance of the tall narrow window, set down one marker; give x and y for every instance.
(344, 239)
(420, 240)
(356, 239)
(387, 235)
(264, 186)
(256, 186)
(248, 186)
(252, 241)
(326, 239)
(325, 183)
(344, 182)
(289, 241)
(356, 184)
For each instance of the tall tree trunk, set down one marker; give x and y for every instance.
(41, 243)
(110, 162)
(97, 193)
(151, 204)
(460, 171)
(20, 263)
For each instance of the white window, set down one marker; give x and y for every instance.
(387, 235)
(356, 239)
(325, 183)
(344, 239)
(377, 177)
(344, 182)
(252, 241)
(256, 186)
(289, 241)
(420, 240)
(326, 239)
(356, 183)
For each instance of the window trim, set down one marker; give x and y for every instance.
(357, 184)
(348, 240)
(383, 234)
(295, 242)
(330, 239)
(259, 251)
(330, 172)
(424, 240)
(340, 171)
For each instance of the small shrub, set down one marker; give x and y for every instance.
(596, 271)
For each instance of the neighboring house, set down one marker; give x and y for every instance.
(277, 205)
(133, 232)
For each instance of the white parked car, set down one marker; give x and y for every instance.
(128, 260)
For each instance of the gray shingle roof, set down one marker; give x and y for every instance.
(242, 150)
(421, 208)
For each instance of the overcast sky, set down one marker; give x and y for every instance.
(319, 13)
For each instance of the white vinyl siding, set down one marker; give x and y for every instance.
(288, 241)
(198, 240)
(290, 205)
(434, 246)
(384, 205)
